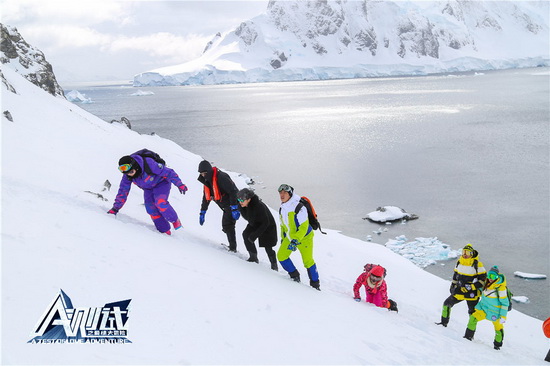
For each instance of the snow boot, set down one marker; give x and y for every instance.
(295, 276)
(392, 306)
(253, 257)
(168, 232)
(177, 224)
(469, 335)
(315, 284)
(499, 337)
(273, 260)
(445, 319)
(547, 358)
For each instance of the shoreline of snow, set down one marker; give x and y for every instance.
(210, 75)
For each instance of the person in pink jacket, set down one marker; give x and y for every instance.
(373, 278)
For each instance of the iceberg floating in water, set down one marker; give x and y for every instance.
(530, 276)
(422, 251)
(522, 299)
(389, 213)
(74, 96)
(141, 93)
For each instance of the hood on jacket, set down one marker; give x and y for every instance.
(205, 166)
(471, 248)
(377, 271)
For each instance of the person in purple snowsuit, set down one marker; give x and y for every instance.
(155, 181)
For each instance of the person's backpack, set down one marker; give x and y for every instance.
(369, 266)
(510, 294)
(311, 214)
(145, 153)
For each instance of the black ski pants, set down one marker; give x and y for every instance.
(228, 227)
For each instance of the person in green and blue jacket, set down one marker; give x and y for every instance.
(296, 234)
(492, 306)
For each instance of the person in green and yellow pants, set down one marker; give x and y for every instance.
(492, 306)
(296, 234)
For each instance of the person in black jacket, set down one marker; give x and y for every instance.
(261, 226)
(219, 187)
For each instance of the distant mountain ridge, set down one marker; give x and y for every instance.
(27, 60)
(312, 40)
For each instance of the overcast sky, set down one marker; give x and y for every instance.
(100, 40)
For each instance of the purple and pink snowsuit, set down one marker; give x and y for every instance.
(377, 294)
(156, 189)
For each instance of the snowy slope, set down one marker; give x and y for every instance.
(193, 302)
(314, 40)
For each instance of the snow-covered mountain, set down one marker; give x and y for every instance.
(311, 40)
(27, 60)
(192, 302)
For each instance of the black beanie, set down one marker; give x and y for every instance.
(133, 164)
(205, 166)
(127, 160)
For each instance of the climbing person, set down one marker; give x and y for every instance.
(261, 226)
(468, 280)
(220, 188)
(154, 177)
(296, 234)
(374, 280)
(492, 306)
(546, 331)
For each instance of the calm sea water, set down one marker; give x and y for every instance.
(468, 153)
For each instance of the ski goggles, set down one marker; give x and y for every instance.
(286, 188)
(492, 276)
(125, 168)
(240, 200)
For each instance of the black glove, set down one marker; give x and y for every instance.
(393, 306)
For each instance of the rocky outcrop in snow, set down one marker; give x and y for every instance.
(7, 84)
(311, 40)
(27, 60)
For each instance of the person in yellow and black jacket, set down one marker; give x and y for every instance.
(220, 188)
(468, 280)
(493, 306)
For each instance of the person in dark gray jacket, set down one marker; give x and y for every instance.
(261, 226)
